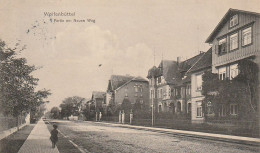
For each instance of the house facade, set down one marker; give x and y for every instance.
(170, 87)
(235, 38)
(161, 81)
(99, 100)
(134, 89)
(196, 72)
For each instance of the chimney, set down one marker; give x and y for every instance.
(178, 59)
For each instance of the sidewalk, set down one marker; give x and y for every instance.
(38, 141)
(211, 136)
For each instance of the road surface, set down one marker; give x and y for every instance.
(97, 138)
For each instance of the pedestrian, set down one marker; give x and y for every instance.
(54, 135)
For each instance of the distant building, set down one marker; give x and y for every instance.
(98, 99)
(134, 89)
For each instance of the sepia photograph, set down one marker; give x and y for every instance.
(129, 76)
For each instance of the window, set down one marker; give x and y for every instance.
(210, 108)
(159, 80)
(158, 93)
(136, 88)
(161, 93)
(247, 36)
(188, 90)
(233, 41)
(222, 111)
(233, 21)
(199, 109)
(141, 101)
(169, 92)
(222, 73)
(233, 71)
(222, 46)
(151, 93)
(199, 81)
(233, 109)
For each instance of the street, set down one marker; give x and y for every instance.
(98, 137)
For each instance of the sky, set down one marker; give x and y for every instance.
(124, 37)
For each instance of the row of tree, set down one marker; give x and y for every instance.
(18, 93)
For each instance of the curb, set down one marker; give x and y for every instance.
(8, 132)
(201, 135)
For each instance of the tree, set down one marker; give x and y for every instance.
(126, 105)
(55, 113)
(71, 106)
(241, 90)
(17, 84)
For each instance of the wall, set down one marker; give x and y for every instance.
(241, 52)
(120, 94)
(195, 97)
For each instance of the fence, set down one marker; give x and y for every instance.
(230, 127)
(10, 122)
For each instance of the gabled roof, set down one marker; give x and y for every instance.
(118, 80)
(135, 79)
(98, 94)
(222, 22)
(203, 63)
(187, 64)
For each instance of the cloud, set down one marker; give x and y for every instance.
(76, 54)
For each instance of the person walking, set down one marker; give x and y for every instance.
(54, 135)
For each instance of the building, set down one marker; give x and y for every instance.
(99, 100)
(161, 81)
(195, 73)
(236, 37)
(182, 88)
(134, 89)
(170, 87)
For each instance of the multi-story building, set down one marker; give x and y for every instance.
(134, 89)
(182, 89)
(161, 81)
(170, 87)
(235, 38)
(196, 72)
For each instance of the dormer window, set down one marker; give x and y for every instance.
(233, 21)
(222, 46)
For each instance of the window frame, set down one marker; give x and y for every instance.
(220, 42)
(221, 74)
(231, 19)
(199, 109)
(234, 110)
(242, 40)
(230, 36)
(199, 88)
(230, 71)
